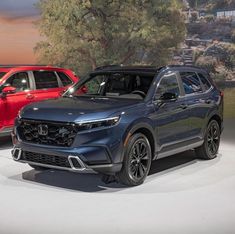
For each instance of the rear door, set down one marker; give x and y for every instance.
(12, 103)
(197, 102)
(46, 84)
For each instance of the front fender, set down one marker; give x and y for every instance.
(142, 123)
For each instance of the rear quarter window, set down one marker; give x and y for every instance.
(65, 80)
(191, 82)
(206, 84)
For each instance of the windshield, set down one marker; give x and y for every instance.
(2, 74)
(134, 86)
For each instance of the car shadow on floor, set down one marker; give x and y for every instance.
(5, 143)
(92, 182)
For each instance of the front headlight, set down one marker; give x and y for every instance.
(99, 123)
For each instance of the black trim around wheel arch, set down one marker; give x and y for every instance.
(214, 113)
(135, 127)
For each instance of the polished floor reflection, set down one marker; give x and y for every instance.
(181, 195)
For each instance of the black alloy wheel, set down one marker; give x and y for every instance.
(137, 161)
(213, 138)
(210, 147)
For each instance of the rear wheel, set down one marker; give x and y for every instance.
(136, 162)
(210, 147)
(38, 168)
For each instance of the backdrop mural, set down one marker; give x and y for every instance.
(84, 34)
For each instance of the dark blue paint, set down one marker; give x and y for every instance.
(169, 124)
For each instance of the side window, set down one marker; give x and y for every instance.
(206, 84)
(64, 79)
(45, 79)
(191, 82)
(168, 84)
(20, 81)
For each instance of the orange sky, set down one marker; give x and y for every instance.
(18, 36)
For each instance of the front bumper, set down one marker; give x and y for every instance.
(69, 163)
(83, 158)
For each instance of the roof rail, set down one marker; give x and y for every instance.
(108, 66)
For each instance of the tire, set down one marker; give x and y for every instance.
(38, 168)
(136, 162)
(210, 147)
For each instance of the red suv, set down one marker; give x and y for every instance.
(21, 85)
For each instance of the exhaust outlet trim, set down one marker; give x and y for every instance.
(16, 154)
(80, 162)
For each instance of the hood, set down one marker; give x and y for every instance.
(76, 109)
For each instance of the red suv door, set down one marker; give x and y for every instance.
(12, 103)
(47, 84)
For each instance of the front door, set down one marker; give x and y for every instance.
(12, 103)
(171, 116)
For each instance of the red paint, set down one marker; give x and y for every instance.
(12, 101)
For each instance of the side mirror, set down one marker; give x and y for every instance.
(82, 90)
(8, 90)
(168, 97)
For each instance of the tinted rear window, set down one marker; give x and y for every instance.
(64, 79)
(45, 79)
(206, 84)
(191, 82)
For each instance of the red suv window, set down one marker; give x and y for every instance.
(45, 79)
(20, 81)
(64, 79)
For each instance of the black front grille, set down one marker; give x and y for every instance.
(45, 159)
(47, 133)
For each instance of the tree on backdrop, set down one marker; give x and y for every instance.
(83, 34)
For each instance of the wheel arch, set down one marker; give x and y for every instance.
(147, 130)
(217, 118)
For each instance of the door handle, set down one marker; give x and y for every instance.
(29, 96)
(183, 106)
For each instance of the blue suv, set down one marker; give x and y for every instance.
(119, 119)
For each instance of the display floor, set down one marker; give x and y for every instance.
(181, 195)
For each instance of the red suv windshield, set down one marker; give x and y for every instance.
(2, 74)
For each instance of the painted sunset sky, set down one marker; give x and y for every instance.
(18, 34)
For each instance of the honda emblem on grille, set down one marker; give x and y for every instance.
(43, 129)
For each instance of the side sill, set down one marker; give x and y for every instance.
(179, 150)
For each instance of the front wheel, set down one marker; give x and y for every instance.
(136, 162)
(210, 147)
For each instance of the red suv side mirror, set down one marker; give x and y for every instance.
(8, 90)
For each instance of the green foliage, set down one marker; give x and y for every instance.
(209, 18)
(196, 54)
(233, 36)
(207, 62)
(229, 103)
(194, 16)
(83, 34)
